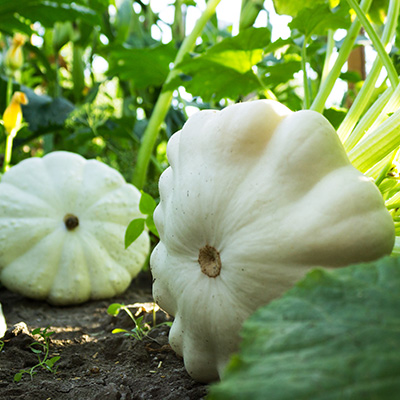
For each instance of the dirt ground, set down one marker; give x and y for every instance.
(94, 363)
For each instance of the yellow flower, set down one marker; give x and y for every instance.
(12, 117)
(14, 56)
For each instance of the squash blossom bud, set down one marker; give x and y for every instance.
(14, 56)
(12, 117)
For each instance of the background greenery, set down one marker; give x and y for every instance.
(74, 106)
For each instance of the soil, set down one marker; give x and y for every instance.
(94, 363)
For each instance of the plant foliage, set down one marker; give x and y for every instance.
(333, 336)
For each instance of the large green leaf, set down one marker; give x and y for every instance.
(17, 15)
(144, 66)
(43, 113)
(225, 69)
(319, 18)
(334, 336)
(293, 7)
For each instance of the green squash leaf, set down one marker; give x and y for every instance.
(319, 18)
(335, 335)
(152, 227)
(147, 204)
(293, 7)
(144, 66)
(133, 231)
(225, 70)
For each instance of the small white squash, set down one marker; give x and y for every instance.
(62, 226)
(255, 196)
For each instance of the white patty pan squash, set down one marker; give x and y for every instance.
(255, 196)
(62, 225)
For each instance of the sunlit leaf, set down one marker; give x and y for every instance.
(146, 204)
(133, 231)
(319, 18)
(226, 69)
(114, 309)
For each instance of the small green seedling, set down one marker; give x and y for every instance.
(141, 329)
(41, 349)
(147, 206)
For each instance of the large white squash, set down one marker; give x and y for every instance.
(62, 226)
(255, 196)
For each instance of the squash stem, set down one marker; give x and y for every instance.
(330, 45)
(345, 131)
(344, 52)
(164, 100)
(306, 83)
(9, 137)
(8, 152)
(379, 47)
(377, 145)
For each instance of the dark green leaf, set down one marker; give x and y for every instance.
(43, 113)
(335, 335)
(45, 12)
(281, 71)
(133, 231)
(147, 204)
(335, 115)
(145, 67)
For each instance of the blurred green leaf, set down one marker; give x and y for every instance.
(43, 113)
(335, 335)
(280, 71)
(335, 115)
(319, 18)
(114, 309)
(145, 66)
(293, 7)
(45, 12)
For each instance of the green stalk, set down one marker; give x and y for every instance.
(9, 90)
(8, 152)
(330, 45)
(164, 100)
(379, 47)
(377, 145)
(370, 116)
(344, 52)
(9, 138)
(345, 131)
(306, 85)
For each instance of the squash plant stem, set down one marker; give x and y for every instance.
(164, 100)
(345, 131)
(327, 85)
(9, 137)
